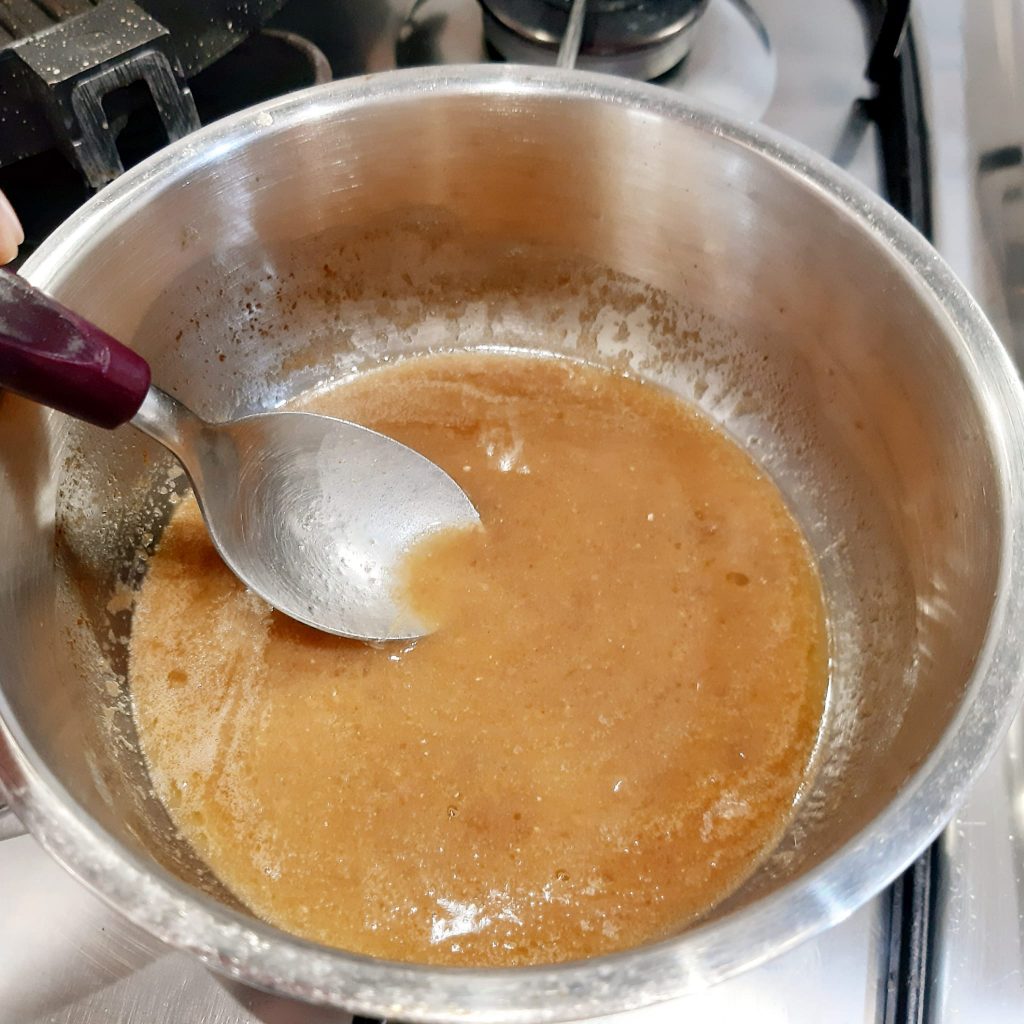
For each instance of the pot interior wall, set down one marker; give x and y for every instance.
(597, 231)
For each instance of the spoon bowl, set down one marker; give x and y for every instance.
(314, 514)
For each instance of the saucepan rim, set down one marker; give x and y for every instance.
(264, 957)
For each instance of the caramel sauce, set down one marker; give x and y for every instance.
(602, 739)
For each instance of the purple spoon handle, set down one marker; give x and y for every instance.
(57, 358)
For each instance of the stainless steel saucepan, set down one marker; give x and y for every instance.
(499, 206)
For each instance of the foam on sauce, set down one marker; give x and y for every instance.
(602, 739)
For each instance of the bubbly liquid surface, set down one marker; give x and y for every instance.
(600, 741)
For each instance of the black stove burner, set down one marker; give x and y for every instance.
(638, 38)
(69, 68)
(46, 188)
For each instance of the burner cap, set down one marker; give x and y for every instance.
(732, 67)
(636, 38)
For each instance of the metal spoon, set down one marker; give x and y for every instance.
(312, 513)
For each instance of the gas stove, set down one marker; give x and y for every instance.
(920, 108)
